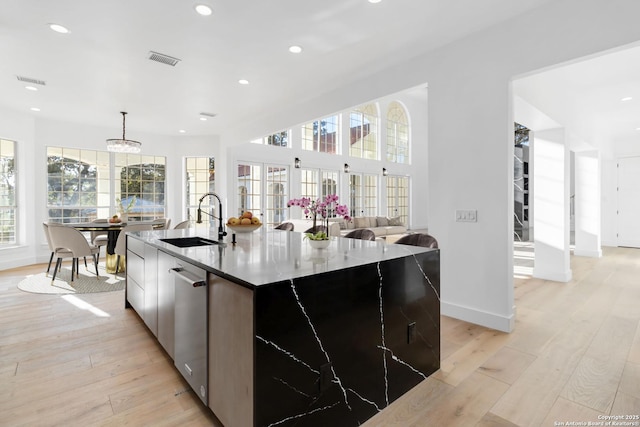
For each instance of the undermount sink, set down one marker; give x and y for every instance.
(187, 242)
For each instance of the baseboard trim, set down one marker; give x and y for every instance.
(20, 262)
(590, 254)
(479, 317)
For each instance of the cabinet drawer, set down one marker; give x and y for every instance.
(135, 268)
(136, 246)
(135, 296)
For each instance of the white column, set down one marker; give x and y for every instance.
(551, 199)
(587, 204)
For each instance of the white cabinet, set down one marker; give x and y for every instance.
(151, 288)
(135, 275)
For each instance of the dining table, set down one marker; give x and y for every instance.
(113, 230)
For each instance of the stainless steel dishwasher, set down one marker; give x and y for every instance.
(191, 337)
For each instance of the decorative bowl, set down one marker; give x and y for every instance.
(319, 244)
(244, 228)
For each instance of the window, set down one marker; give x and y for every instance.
(8, 208)
(279, 139)
(309, 183)
(277, 194)
(322, 135)
(329, 183)
(200, 180)
(318, 183)
(363, 195)
(142, 177)
(249, 189)
(78, 184)
(398, 198)
(397, 134)
(363, 133)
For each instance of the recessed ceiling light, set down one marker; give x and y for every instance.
(33, 88)
(203, 10)
(627, 98)
(637, 128)
(375, 1)
(295, 49)
(182, 131)
(243, 81)
(35, 109)
(204, 119)
(59, 28)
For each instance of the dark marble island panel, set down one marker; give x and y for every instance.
(336, 348)
(300, 336)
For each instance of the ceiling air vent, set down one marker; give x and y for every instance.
(208, 114)
(32, 81)
(164, 59)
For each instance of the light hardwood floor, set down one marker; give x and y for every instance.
(574, 355)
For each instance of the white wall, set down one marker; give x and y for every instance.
(34, 135)
(470, 135)
(414, 100)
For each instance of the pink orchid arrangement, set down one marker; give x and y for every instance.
(324, 209)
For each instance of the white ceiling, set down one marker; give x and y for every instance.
(101, 67)
(586, 97)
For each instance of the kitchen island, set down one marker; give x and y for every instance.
(293, 335)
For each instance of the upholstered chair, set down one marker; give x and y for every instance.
(418, 239)
(362, 234)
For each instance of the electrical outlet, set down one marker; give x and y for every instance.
(326, 376)
(411, 333)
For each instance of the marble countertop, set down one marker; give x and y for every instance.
(270, 256)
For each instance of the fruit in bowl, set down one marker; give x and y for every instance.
(115, 219)
(245, 223)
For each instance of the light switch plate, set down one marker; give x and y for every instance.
(465, 215)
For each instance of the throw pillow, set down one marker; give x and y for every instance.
(350, 225)
(343, 225)
(382, 221)
(395, 221)
(361, 222)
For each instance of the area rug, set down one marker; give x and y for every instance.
(87, 282)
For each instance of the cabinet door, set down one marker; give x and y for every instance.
(231, 339)
(166, 302)
(151, 288)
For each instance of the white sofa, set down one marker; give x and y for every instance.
(381, 226)
(302, 225)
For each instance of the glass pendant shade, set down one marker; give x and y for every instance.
(123, 145)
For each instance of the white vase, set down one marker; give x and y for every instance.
(319, 244)
(124, 217)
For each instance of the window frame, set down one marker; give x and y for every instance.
(8, 201)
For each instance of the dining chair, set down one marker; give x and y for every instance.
(99, 238)
(164, 221)
(73, 241)
(286, 226)
(183, 224)
(121, 243)
(60, 252)
(418, 239)
(362, 234)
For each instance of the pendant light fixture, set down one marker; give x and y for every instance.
(123, 145)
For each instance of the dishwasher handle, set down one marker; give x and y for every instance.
(188, 277)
